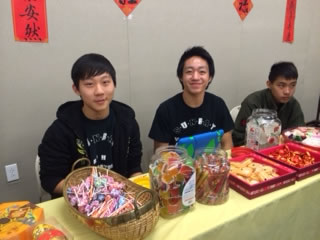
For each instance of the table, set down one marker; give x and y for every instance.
(289, 213)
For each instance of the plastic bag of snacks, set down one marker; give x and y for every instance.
(172, 175)
(212, 171)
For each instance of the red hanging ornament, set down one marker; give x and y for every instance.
(288, 29)
(243, 7)
(127, 6)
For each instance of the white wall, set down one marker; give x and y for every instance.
(35, 77)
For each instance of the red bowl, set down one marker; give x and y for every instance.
(239, 151)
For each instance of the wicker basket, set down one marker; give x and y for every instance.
(135, 224)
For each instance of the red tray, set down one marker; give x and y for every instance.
(287, 176)
(301, 172)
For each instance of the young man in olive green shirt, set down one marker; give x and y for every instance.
(277, 96)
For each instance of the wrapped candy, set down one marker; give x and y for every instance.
(212, 171)
(99, 195)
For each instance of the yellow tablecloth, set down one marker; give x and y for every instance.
(290, 213)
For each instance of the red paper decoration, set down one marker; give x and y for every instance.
(29, 20)
(243, 7)
(288, 29)
(127, 6)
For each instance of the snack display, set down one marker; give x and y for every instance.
(172, 175)
(308, 136)
(99, 195)
(254, 175)
(304, 160)
(18, 219)
(212, 171)
(253, 172)
(263, 129)
(293, 158)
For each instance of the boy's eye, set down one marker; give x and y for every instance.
(88, 83)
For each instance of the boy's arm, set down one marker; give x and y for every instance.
(135, 151)
(226, 141)
(54, 159)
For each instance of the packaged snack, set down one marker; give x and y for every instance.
(18, 219)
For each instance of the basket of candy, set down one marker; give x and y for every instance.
(304, 160)
(110, 204)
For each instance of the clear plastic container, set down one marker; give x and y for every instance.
(263, 129)
(172, 176)
(212, 176)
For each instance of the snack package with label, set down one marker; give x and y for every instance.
(18, 219)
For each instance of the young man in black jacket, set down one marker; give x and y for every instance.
(95, 127)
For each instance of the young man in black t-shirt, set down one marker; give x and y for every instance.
(194, 110)
(95, 127)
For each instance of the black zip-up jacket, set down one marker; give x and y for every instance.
(64, 142)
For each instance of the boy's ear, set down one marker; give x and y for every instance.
(268, 83)
(75, 89)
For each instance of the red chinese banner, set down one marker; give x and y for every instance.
(288, 30)
(127, 6)
(243, 7)
(29, 20)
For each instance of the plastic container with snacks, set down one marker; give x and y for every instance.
(212, 172)
(172, 175)
(263, 129)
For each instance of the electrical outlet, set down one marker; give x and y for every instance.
(12, 172)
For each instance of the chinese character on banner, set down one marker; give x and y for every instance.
(29, 20)
(243, 7)
(127, 6)
(288, 29)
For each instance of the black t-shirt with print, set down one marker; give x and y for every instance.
(174, 119)
(100, 140)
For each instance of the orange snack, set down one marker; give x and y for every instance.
(18, 219)
(252, 172)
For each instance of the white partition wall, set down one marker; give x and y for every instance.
(145, 49)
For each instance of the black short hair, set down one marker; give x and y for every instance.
(283, 69)
(90, 65)
(199, 52)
